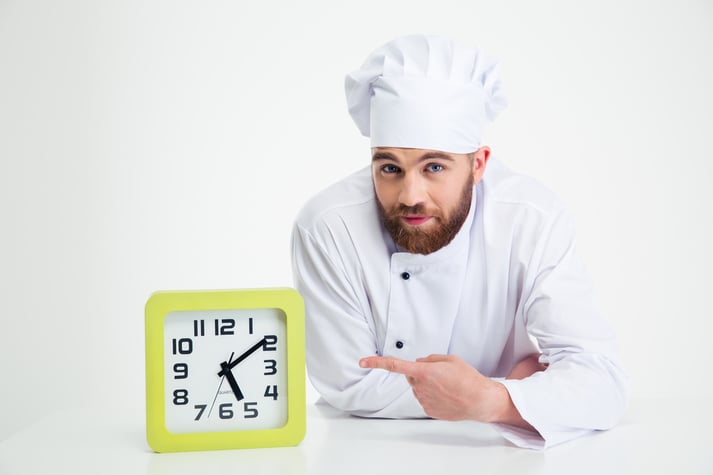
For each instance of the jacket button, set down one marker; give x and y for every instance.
(399, 344)
(405, 276)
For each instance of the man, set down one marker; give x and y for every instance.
(440, 284)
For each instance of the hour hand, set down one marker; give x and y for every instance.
(226, 371)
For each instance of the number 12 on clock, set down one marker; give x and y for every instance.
(222, 326)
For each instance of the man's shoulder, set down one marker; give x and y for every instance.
(504, 187)
(350, 195)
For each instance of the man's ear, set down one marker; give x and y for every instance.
(480, 160)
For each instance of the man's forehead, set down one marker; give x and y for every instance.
(404, 150)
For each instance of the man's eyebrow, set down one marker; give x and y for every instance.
(383, 156)
(425, 156)
(438, 155)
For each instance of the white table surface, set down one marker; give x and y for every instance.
(664, 436)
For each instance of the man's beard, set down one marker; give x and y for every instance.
(417, 241)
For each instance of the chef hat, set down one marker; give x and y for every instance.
(425, 92)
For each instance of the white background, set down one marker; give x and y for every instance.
(150, 145)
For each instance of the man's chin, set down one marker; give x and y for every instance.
(416, 240)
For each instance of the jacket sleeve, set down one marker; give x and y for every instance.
(339, 331)
(584, 387)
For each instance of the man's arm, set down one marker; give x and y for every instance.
(584, 387)
(339, 332)
(449, 388)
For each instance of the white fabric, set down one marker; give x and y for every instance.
(510, 273)
(425, 92)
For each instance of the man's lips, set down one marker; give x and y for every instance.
(415, 220)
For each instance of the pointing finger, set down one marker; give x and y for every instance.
(434, 358)
(388, 363)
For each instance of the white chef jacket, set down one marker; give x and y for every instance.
(510, 276)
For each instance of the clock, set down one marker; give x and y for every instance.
(225, 369)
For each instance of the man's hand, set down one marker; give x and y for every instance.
(527, 367)
(449, 388)
(446, 386)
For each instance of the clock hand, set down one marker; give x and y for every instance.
(231, 380)
(218, 390)
(228, 366)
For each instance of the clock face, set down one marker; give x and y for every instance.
(225, 370)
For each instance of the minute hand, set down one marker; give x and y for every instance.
(242, 357)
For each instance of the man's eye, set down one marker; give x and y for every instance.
(390, 169)
(434, 167)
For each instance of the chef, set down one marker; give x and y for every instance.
(437, 282)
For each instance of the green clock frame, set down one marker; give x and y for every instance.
(160, 304)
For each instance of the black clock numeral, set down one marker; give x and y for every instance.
(224, 326)
(270, 367)
(250, 412)
(225, 411)
(270, 342)
(181, 370)
(250, 325)
(184, 346)
(201, 409)
(180, 397)
(198, 327)
(271, 391)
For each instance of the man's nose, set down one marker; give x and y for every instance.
(413, 190)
